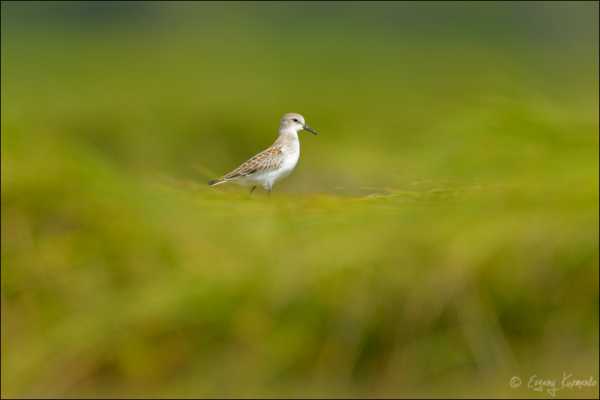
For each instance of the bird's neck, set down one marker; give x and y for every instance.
(288, 138)
(288, 135)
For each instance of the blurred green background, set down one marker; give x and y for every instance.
(438, 238)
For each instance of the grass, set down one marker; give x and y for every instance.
(440, 235)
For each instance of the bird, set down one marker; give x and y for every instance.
(274, 163)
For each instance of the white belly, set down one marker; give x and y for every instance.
(288, 165)
(269, 178)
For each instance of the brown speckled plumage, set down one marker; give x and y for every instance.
(269, 159)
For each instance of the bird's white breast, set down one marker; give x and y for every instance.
(291, 154)
(289, 163)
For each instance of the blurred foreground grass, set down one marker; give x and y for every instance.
(439, 237)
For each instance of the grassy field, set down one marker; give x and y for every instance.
(439, 237)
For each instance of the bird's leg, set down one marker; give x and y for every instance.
(252, 190)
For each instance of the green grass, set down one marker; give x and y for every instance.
(439, 237)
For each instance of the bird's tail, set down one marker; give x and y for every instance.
(216, 182)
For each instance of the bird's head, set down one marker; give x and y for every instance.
(295, 122)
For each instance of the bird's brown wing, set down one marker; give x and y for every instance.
(266, 160)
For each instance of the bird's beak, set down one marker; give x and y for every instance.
(311, 130)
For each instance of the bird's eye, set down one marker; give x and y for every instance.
(295, 120)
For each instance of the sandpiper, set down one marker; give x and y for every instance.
(274, 163)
